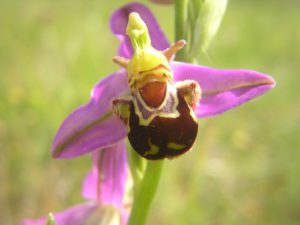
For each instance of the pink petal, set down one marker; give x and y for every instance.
(93, 125)
(118, 24)
(106, 182)
(76, 215)
(124, 217)
(223, 89)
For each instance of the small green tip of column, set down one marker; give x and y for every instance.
(138, 32)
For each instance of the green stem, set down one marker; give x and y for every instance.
(145, 193)
(181, 10)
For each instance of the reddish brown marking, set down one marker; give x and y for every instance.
(154, 93)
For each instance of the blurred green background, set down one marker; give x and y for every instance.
(245, 167)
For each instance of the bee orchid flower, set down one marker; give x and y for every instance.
(95, 125)
(105, 191)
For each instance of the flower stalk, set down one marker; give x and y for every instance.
(181, 14)
(145, 192)
(137, 166)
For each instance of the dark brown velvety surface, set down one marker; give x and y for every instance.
(162, 131)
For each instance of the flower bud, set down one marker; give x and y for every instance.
(50, 220)
(208, 17)
(105, 215)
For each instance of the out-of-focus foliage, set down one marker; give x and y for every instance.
(245, 166)
(51, 219)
